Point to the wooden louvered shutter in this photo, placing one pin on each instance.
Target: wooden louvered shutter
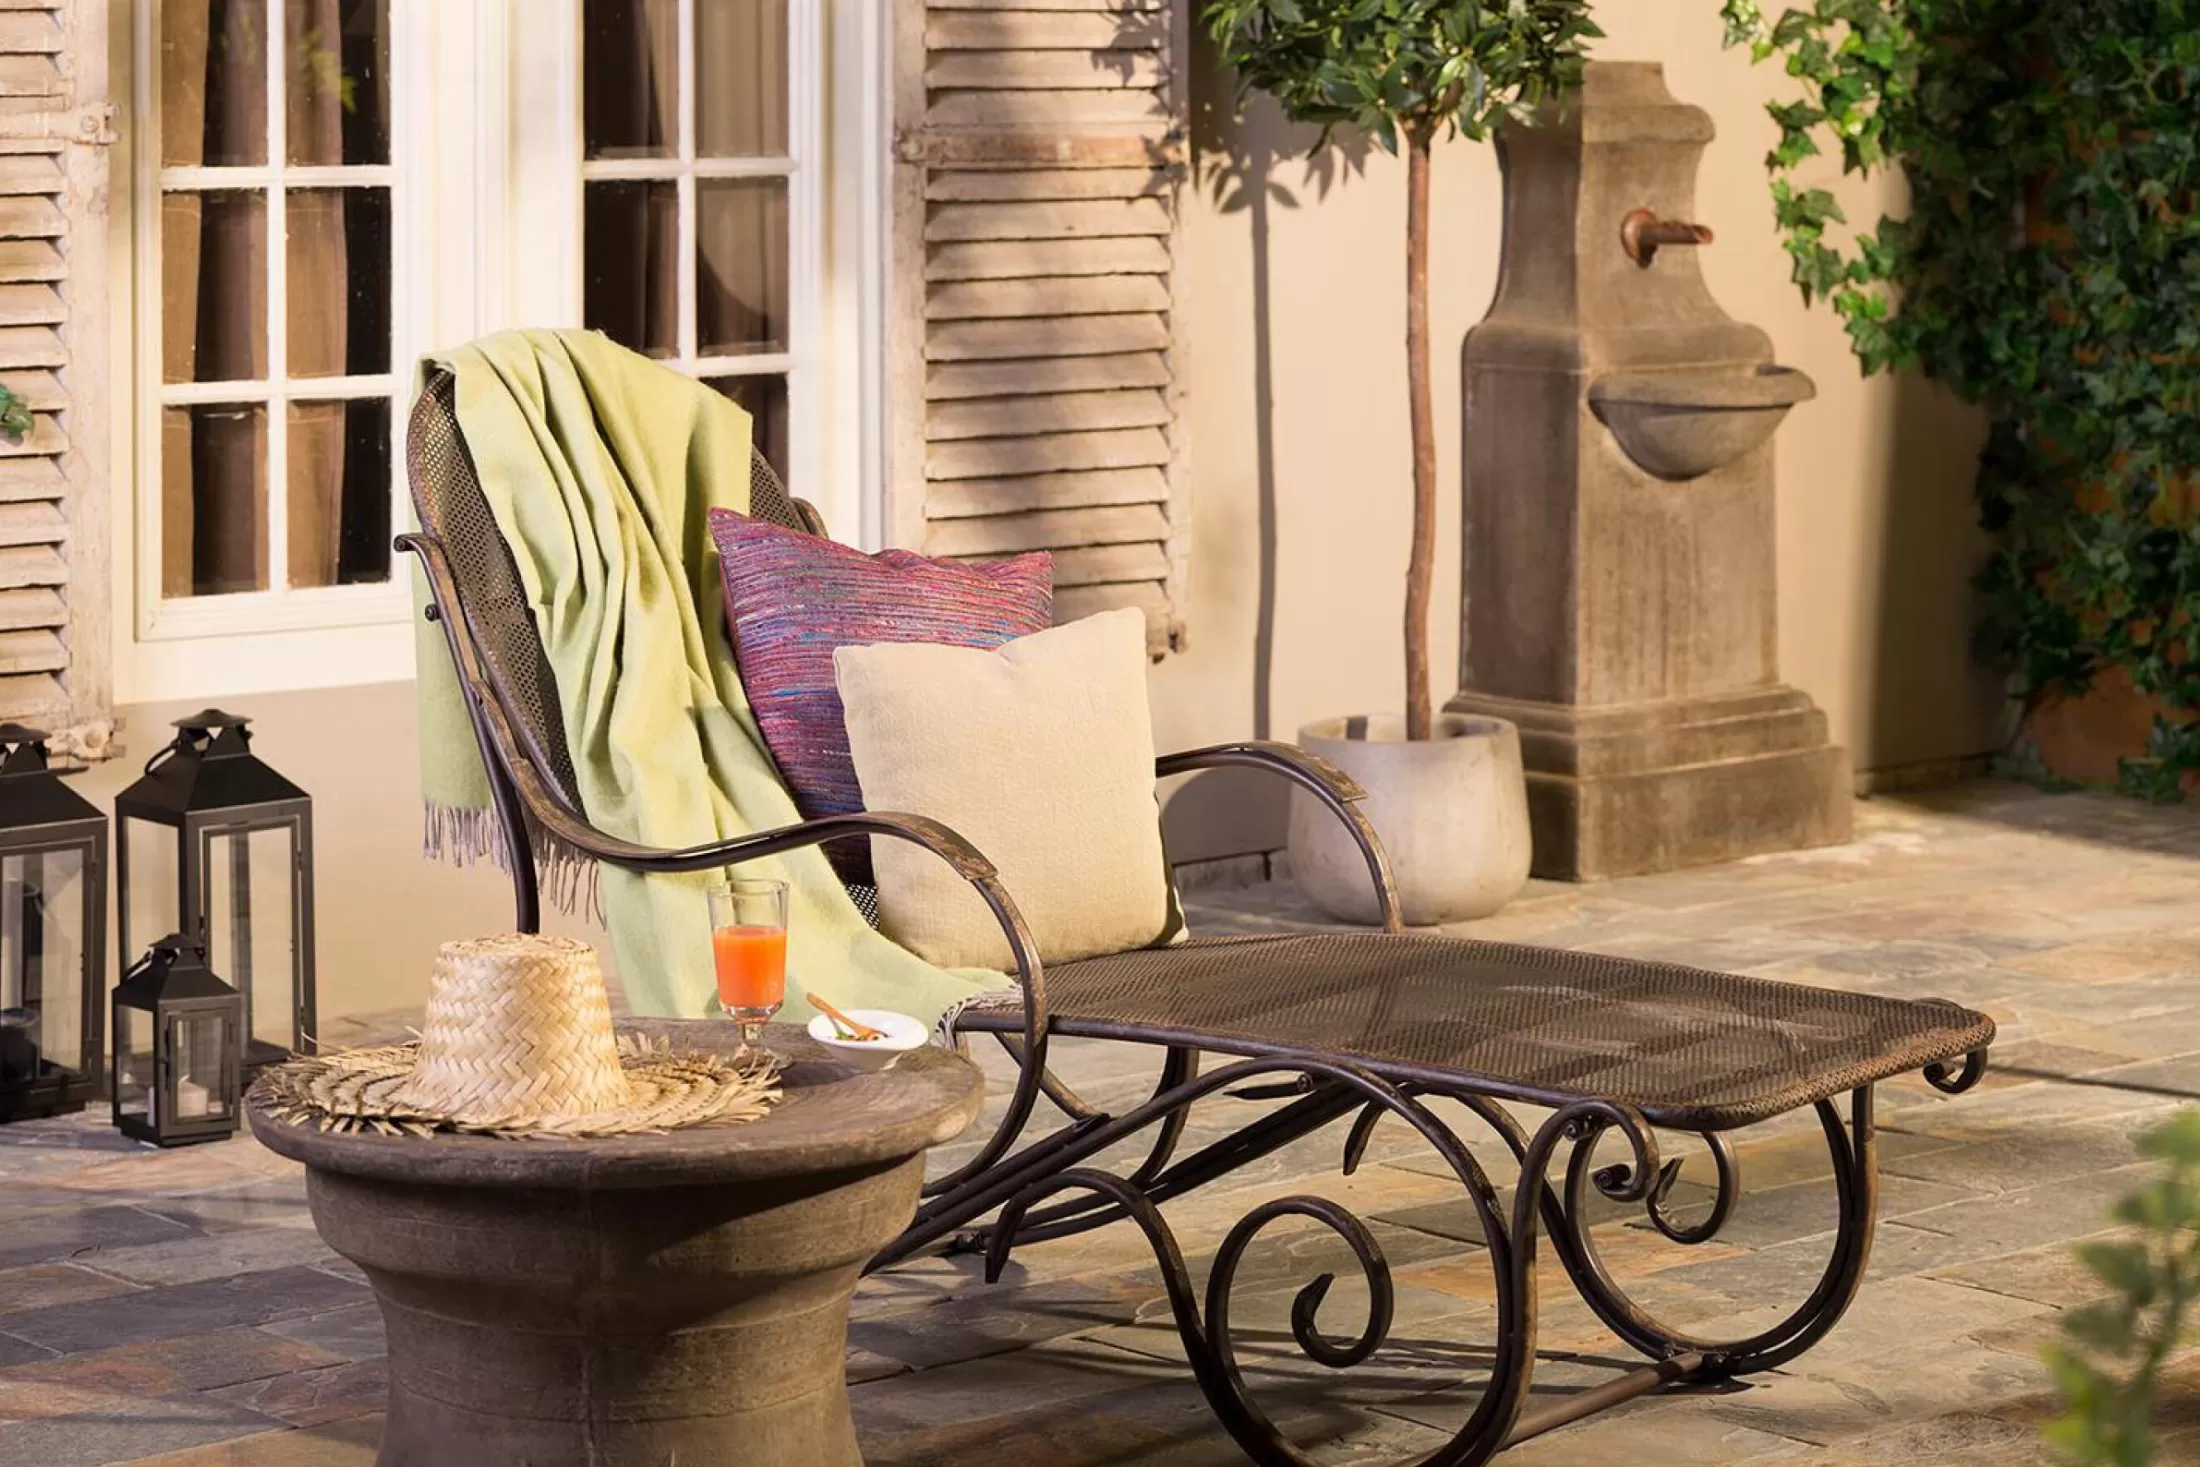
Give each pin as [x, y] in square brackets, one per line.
[54, 137]
[1037, 375]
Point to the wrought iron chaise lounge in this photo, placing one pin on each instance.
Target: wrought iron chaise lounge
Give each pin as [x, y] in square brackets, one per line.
[1341, 1028]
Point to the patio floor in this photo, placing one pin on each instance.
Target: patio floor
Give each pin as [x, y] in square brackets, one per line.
[177, 1308]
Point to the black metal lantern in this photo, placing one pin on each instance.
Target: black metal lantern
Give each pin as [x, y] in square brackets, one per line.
[215, 845]
[179, 1048]
[53, 931]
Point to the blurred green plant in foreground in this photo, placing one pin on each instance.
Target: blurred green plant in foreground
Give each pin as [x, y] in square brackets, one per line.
[2109, 1361]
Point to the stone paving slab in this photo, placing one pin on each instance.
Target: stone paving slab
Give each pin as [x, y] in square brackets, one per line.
[44, 1284]
[175, 1309]
[183, 1310]
[349, 1443]
[315, 1397]
[167, 1367]
[125, 1429]
[54, 1234]
[353, 1332]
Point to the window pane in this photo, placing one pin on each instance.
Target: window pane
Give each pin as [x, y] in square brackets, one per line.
[249, 940]
[151, 912]
[338, 60]
[766, 400]
[41, 962]
[213, 84]
[134, 1066]
[338, 281]
[740, 266]
[202, 1075]
[339, 506]
[213, 287]
[630, 77]
[741, 78]
[630, 244]
[213, 499]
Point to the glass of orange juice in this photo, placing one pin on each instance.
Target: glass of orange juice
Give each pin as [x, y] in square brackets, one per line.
[748, 939]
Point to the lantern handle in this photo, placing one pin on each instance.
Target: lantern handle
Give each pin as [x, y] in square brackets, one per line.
[166, 751]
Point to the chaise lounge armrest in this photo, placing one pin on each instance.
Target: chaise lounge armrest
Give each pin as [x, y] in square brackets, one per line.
[1338, 792]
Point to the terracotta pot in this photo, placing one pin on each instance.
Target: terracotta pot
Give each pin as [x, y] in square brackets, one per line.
[1452, 813]
[2082, 738]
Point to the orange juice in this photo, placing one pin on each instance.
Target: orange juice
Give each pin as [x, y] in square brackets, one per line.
[752, 966]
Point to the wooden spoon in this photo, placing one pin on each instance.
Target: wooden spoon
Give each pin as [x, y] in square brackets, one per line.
[857, 1029]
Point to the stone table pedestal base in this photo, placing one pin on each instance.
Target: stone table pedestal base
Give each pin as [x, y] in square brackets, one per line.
[639, 1301]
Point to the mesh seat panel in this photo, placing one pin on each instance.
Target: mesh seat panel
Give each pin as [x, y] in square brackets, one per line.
[1691, 1049]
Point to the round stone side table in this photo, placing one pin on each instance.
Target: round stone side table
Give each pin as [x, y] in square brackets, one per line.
[639, 1300]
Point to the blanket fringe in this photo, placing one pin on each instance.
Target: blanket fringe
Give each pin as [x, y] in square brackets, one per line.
[457, 836]
[944, 1034]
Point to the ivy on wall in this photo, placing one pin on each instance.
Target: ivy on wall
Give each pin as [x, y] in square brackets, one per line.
[2047, 268]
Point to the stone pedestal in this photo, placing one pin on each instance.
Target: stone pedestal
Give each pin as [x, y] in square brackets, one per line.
[1620, 597]
[640, 1300]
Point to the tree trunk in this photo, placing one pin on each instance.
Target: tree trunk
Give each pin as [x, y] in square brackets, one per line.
[1421, 565]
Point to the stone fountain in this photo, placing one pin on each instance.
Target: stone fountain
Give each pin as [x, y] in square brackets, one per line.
[1619, 586]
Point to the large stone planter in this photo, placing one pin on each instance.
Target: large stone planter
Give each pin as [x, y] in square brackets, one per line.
[640, 1300]
[1452, 813]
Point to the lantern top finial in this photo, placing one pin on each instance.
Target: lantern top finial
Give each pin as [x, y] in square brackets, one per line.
[25, 749]
[208, 766]
[172, 968]
[208, 720]
[32, 797]
[223, 735]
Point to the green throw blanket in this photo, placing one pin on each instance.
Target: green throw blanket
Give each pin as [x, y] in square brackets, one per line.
[599, 467]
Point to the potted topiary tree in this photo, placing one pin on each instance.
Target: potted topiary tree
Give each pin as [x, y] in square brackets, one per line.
[1409, 72]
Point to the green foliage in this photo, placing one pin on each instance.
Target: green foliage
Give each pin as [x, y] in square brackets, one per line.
[2111, 1354]
[1417, 66]
[15, 416]
[2048, 269]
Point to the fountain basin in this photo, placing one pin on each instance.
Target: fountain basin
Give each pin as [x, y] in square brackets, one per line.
[1682, 425]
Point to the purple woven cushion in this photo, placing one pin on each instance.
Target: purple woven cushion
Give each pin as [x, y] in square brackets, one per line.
[792, 598]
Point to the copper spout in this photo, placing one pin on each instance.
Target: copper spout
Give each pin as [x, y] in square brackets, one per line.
[1642, 232]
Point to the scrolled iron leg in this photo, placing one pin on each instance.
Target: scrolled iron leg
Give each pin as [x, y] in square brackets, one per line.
[1853, 1153]
[1331, 1090]
[1974, 1069]
[1205, 1325]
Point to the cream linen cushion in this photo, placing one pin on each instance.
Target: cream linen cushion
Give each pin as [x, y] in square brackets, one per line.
[1040, 752]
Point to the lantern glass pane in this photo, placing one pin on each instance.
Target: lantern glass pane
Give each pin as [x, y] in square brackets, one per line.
[149, 912]
[41, 961]
[133, 1063]
[250, 939]
[203, 1075]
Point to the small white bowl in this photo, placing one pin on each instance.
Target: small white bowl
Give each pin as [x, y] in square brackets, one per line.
[902, 1035]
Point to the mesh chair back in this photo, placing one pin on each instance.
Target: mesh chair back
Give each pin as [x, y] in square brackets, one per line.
[447, 495]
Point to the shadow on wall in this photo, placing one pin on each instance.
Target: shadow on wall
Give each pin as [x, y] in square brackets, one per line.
[1236, 159]
[1928, 613]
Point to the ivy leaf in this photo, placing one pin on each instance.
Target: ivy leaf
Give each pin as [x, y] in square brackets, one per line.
[2046, 267]
[15, 417]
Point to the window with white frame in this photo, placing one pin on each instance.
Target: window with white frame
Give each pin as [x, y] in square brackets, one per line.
[700, 202]
[267, 205]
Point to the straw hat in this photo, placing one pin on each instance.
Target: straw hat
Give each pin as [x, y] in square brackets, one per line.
[518, 1042]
